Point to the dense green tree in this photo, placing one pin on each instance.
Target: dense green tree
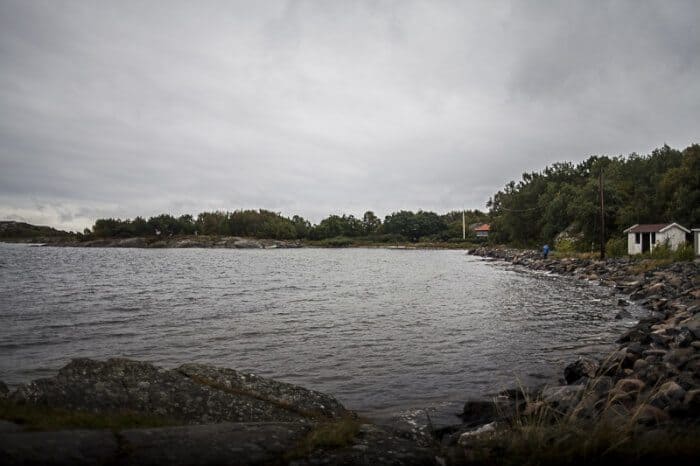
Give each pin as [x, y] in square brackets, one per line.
[660, 187]
[336, 225]
[302, 227]
[679, 189]
[212, 223]
[165, 224]
[413, 226]
[370, 223]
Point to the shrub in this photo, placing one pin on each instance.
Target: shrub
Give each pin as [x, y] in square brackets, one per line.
[386, 238]
[337, 242]
[684, 253]
[661, 251]
[565, 246]
[616, 247]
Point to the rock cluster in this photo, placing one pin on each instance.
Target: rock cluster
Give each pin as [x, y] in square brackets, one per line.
[655, 372]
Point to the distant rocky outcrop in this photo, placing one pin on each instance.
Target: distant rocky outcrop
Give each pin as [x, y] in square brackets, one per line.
[21, 232]
[181, 242]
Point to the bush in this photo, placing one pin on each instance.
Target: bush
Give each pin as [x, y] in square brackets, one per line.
[386, 238]
[565, 246]
[661, 251]
[337, 242]
[616, 247]
[684, 253]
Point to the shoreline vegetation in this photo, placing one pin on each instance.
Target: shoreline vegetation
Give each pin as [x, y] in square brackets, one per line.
[639, 404]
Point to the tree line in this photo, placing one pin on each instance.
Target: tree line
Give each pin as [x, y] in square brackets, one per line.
[399, 226]
[559, 205]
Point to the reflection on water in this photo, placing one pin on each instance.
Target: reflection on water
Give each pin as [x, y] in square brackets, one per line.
[379, 329]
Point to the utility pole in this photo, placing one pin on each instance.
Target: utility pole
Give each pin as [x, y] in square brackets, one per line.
[464, 227]
[602, 218]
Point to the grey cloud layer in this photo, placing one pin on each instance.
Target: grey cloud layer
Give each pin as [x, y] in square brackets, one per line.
[135, 108]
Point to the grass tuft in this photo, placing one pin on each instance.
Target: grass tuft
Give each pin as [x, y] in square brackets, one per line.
[617, 433]
[646, 265]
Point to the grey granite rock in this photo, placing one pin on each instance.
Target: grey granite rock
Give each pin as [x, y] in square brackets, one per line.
[192, 394]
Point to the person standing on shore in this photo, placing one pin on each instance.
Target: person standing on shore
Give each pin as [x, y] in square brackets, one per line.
[545, 251]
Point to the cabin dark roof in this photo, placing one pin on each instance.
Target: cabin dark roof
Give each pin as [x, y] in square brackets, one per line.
[652, 228]
[484, 227]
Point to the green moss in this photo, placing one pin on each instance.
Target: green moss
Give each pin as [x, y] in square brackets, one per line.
[38, 418]
[327, 436]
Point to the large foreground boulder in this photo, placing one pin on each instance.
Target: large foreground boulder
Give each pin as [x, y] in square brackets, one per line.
[227, 417]
[191, 394]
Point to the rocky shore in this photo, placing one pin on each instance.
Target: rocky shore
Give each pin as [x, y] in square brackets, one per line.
[645, 393]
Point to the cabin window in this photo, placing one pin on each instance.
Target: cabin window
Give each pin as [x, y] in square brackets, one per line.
[636, 238]
[653, 238]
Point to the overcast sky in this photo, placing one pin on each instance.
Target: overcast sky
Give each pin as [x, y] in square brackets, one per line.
[127, 108]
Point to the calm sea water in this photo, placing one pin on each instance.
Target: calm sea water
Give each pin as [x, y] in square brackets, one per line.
[379, 329]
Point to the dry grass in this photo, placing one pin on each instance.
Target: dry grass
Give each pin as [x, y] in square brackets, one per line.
[646, 265]
[575, 255]
[620, 433]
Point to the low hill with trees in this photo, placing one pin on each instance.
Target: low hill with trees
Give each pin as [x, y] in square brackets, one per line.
[20, 231]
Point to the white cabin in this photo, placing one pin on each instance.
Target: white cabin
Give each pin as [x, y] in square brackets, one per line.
[644, 238]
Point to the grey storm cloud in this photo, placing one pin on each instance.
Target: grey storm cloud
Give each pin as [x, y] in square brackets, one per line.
[316, 107]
